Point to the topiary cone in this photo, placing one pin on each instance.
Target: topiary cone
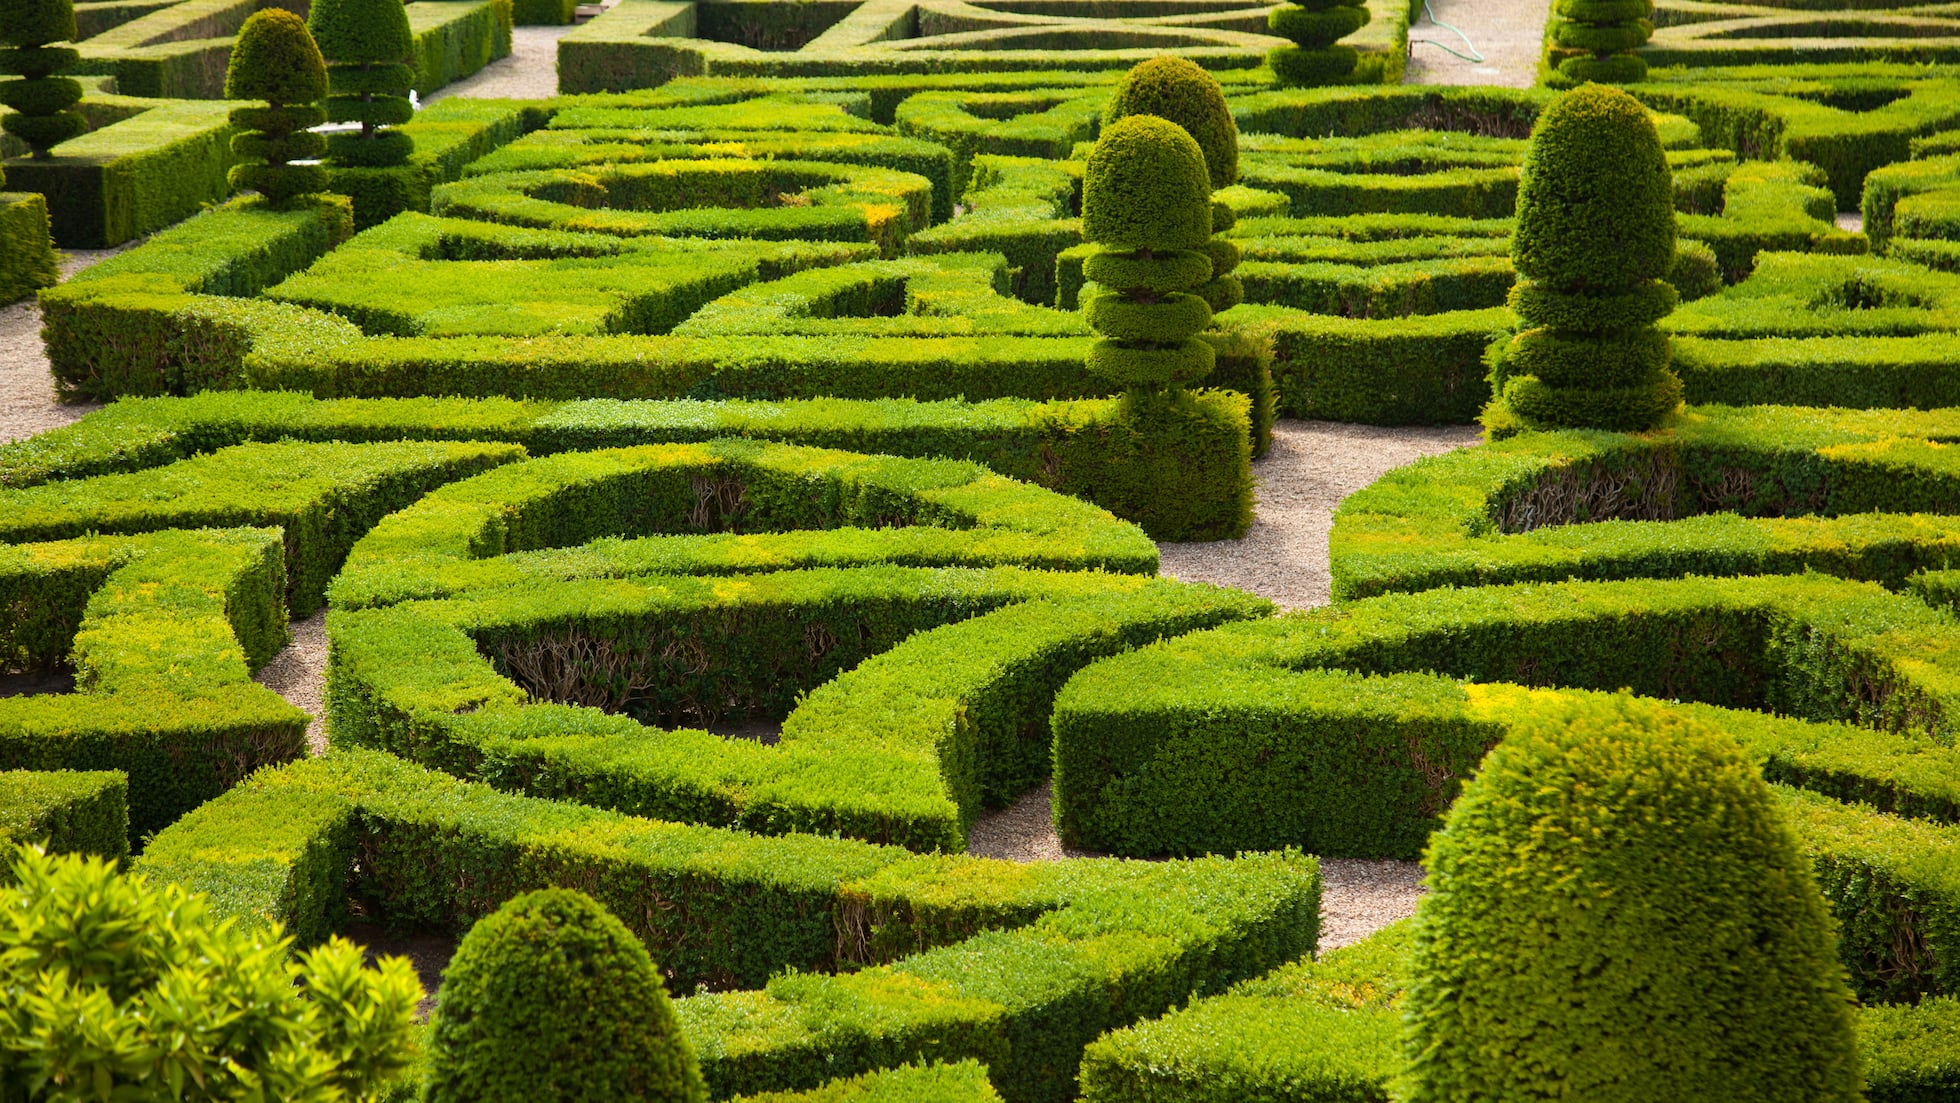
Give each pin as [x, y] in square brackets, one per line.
[43, 104]
[1618, 913]
[550, 999]
[1594, 240]
[1596, 40]
[367, 44]
[276, 60]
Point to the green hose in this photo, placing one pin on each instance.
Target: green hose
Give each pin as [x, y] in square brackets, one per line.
[1473, 56]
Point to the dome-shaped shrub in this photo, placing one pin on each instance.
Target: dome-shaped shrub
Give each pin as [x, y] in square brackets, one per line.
[1618, 913]
[1177, 89]
[550, 999]
[275, 60]
[1593, 244]
[43, 104]
[1146, 187]
[1313, 27]
[367, 44]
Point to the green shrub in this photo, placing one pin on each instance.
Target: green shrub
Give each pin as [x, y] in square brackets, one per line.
[43, 104]
[275, 60]
[1565, 947]
[965, 1082]
[1313, 27]
[113, 986]
[1173, 88]
[27, 260]
[551, 998]
[1594, 237]
[368, 46]
[66, 811]
[1597, 40]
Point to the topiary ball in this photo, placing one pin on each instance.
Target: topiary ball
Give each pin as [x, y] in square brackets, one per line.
[355, 31]
[1595, 209]
[1618, 912]
[275, 59]
[550, 999]
[1177, 89]
[36, 22]
[1146, 187]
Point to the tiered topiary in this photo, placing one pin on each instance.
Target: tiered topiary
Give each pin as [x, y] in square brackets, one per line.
[1595, 40]
[1618, 913]
[44, 104]
[550, 999]
[1176, 89]
[1593, 245]
[1315, 27]
[1146, 199]
[276, 60]
[367, 45]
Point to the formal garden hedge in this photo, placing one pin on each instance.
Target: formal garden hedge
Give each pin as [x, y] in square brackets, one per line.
[713, 509]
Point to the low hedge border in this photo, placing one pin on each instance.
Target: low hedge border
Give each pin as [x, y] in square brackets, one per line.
[1019, 966]
[66, 811]
[163, 631]
[1425, 369]
[964, 1082]
[27, 260]
[448, 135]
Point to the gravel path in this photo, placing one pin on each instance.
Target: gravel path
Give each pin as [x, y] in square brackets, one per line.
[1510, 34]
[529, 73]
[27, 404]
[299, 674]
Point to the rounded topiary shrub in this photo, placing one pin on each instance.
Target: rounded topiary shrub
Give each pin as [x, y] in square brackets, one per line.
[367, 45]
[1593, 246]
[1618, 913]
[276, 60]
[1312, 29]
[550, 999]
[1595, 40]
[1146, 199]
[43, 104]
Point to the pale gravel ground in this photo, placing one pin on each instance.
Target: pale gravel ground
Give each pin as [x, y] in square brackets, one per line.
[529, 73]
[1510, 34]
[299, 674]
[27, 404]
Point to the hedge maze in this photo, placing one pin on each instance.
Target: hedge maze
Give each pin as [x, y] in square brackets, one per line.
[728, 481]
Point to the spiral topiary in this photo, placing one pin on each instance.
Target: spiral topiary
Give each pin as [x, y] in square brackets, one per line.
[367, 45]
[1618, 913]
[276, 60]
[1146, 200]
[1595, 40]
[1176, 89]
[44, 104]
[1594, 243]
[550, 999]
[1314, 28]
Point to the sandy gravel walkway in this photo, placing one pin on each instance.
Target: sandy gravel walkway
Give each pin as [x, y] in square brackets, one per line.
[27, 404]
[529, 73]
[1510, 34]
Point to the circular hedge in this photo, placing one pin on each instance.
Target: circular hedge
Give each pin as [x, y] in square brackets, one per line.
[550, 998]
[1177, 89]
[1619, 912]
[1595, 205]
[1146, 187]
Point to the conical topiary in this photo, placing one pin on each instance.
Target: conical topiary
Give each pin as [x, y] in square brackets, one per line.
[1595, 40]
[276, 60]
[550, 999]
[44, 104]
[1593, 244]
[1176, 89]
[367, 44]
[1146, 199]
[1618, 913]
[1314, 27]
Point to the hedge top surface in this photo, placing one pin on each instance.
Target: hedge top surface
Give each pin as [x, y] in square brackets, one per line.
[276, 60]
[1595, 205]
[1523, 987]
[362, 31]
[1146, 187]
[1176, 89]
[36, 22]
[551, 998]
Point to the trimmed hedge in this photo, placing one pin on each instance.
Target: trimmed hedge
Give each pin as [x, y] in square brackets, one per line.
[27, 260]
[163, 631]
[66, 811]
[965, 1082]
[1019, 966]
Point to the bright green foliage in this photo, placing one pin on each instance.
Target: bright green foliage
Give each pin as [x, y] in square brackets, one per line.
[66, 811]
[1595, 40]
[112, 987]
[550, 998]
[1618, 911]
[1314, 27]
[43, 104]
[367, 45]
[276, 60]
[1146, 199]
[1594, 240]
[1176, 89]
